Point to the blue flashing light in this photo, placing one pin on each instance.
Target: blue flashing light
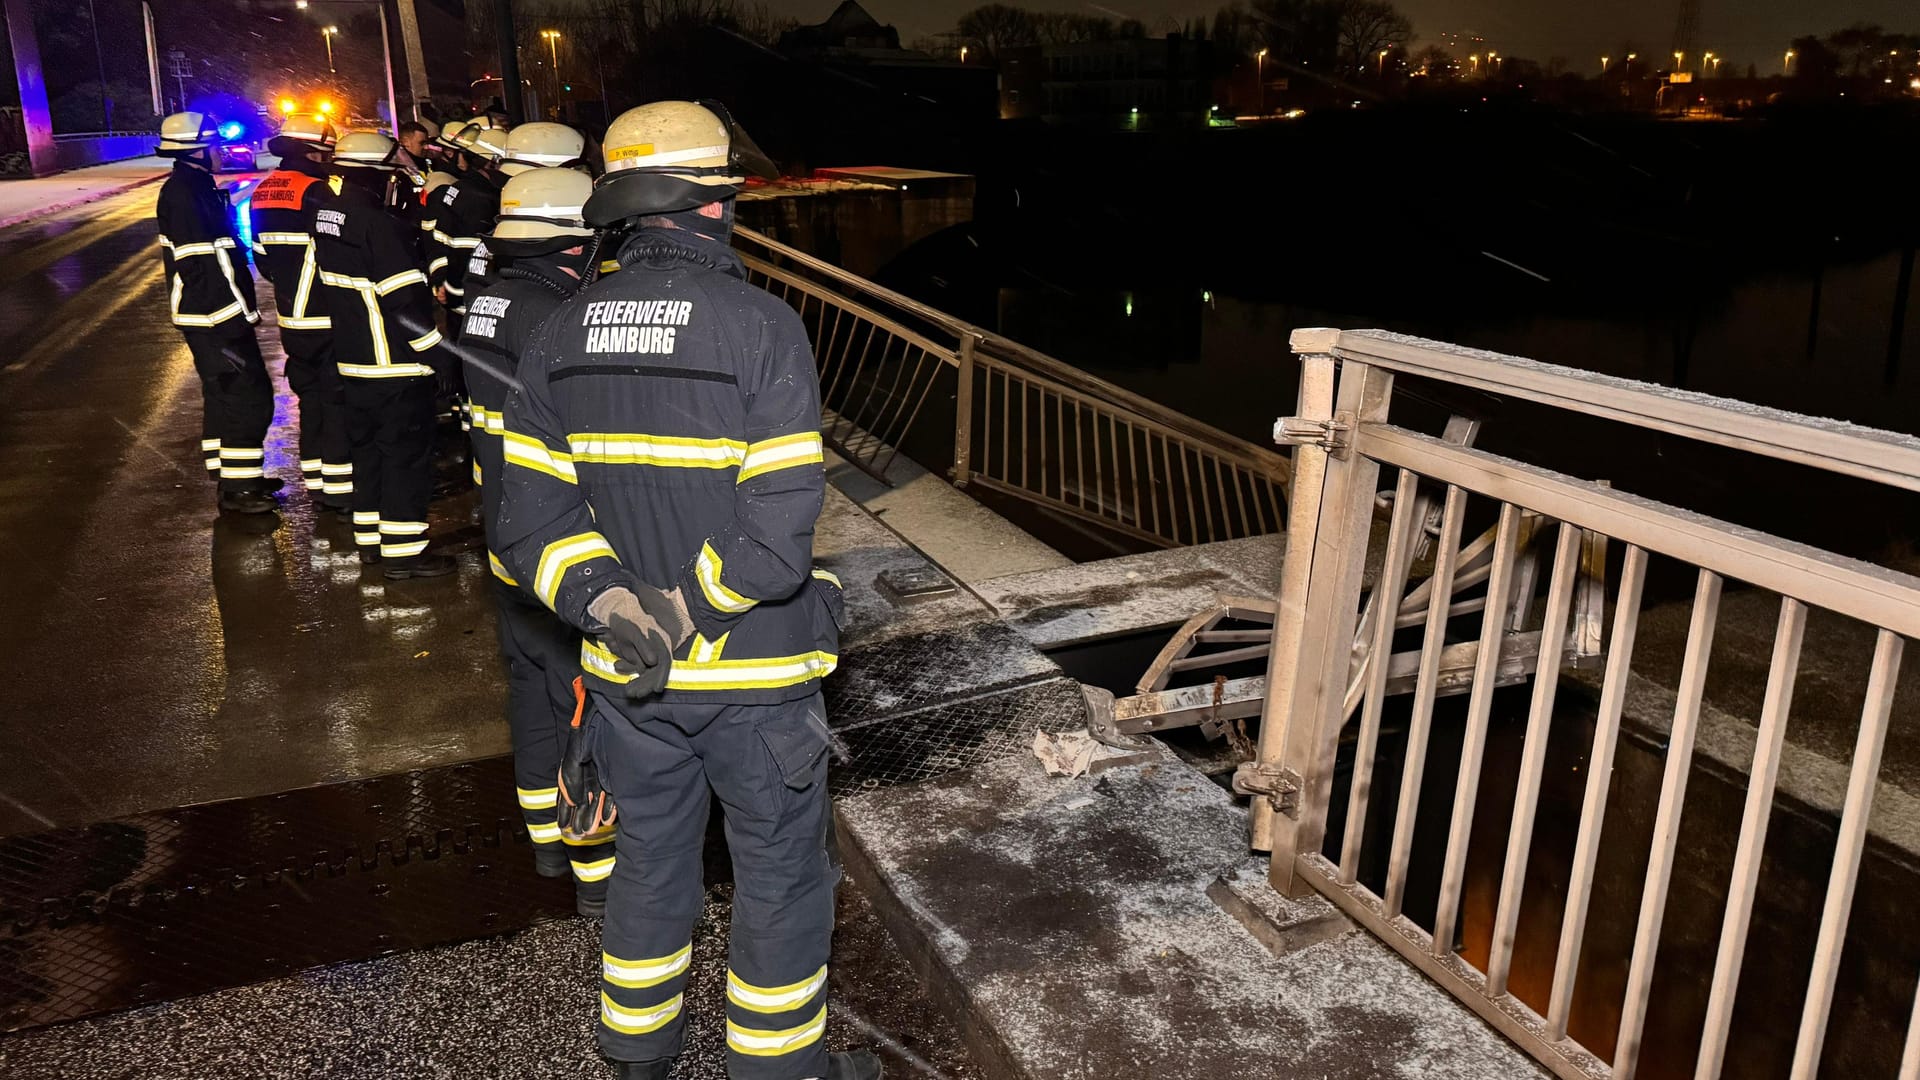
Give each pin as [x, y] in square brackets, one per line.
[232, 129]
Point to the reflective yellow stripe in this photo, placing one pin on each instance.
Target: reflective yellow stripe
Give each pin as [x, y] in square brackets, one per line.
[598, 870]
[762, 1043]
[598, 662]
[437, 265]
[425, 341]
[662, 450]
[383, 371]
[829, 577]
[593, 839]
[538, 798]
[531, 453]
[640, 974]
[402, 551]
[544, 834]
[399, 281]
[637, 1021]
[500, 569]
[771, 673]
[564, 554]
[785, 452]
[707, 569]
[213, 319]
[774, 999]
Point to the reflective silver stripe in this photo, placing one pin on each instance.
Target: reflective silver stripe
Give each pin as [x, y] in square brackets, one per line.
[281, 238]
[400, 281]
[402, 551]
[383, 371]
[617, 163]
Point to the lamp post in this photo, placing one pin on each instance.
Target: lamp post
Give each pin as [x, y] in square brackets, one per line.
[963, 54]
[1260, 78]
[1706, 61]
[1631, 57]
[1382, 70]
[1603, 65]
[1786, 66]
[326, 35]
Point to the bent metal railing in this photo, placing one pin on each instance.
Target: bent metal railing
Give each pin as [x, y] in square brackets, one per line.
[897, 373]
[1343, 441]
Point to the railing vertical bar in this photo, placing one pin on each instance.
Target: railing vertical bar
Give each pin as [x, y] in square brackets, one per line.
[1787, 638]
[1113, 454]
[1593, 810]
[1666, 824]
[1240, 478]
[1186, 488]
[963, 413]
[884, 428]
[1133, 475]
[1275, 522]
[1387, 592]
[986, 414]
[1079, 458]
[1848, 847]
[926, 390]
[870, 422]
[1425, 689]
[1474, 747]
[1533, 758]
[830, 397]
[1060, 437]
[1027, 396]
[1099, 467]
[1006, 406]
[1153, 483]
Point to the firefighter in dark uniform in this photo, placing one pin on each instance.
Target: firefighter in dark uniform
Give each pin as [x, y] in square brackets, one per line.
[664, 470]
[282, 210]
[464, 211]
[211, 300]
[388, 353]
[543, 237]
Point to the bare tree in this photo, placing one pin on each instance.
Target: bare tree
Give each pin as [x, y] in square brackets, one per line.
[995, 28]
[1367, 28]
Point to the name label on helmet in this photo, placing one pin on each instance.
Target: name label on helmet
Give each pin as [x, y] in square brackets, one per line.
[329, 221]
[635, 326]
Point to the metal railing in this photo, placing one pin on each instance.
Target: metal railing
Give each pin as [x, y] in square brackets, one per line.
[1345, 439]
[897, 373]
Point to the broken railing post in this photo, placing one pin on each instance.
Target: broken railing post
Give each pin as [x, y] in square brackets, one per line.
[1328, 527]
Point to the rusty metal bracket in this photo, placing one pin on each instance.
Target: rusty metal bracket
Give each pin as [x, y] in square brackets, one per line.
[1278, 784]
[1335, 436]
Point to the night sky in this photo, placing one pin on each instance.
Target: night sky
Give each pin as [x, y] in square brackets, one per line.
[1744, 31]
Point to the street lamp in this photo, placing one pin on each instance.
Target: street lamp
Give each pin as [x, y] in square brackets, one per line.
[326, 35]
[1716, 66]
[963, 54]
[1260, 79]
[1679, 60]
[1475, 59]
[1603, 64]
[1706, 61]
[1786, 66]
[1382, 72]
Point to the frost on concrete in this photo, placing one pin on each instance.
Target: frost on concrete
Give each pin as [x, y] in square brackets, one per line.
[1134, 592]
[1075, 919]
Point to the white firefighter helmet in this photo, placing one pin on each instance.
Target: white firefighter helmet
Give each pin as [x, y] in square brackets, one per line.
[488, 142]
[369, 149]
[187, 131]
[541, 144]
[449, 137]
[670, 156]
[542, 209]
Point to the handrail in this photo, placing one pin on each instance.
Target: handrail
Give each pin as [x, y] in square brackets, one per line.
[1869, 453]
[1038, 362]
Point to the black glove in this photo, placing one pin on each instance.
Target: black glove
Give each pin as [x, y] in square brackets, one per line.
[644, 626]
[586, 810]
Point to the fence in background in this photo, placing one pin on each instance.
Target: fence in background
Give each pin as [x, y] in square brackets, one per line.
[1022, 424]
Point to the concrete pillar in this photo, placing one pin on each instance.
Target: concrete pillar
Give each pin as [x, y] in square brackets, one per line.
[35, 115]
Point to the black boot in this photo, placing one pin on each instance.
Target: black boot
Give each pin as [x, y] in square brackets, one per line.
[419, 566]
[247, 502]
[854, 1065]
[642, 1070]
[369, 555]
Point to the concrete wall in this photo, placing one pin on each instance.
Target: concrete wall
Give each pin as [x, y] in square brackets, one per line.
[75, 153]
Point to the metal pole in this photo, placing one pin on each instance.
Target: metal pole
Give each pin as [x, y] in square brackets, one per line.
[386, 56]
[417, 81]
[153, 59]
[509, 62]
[99, 58]
[963, 416]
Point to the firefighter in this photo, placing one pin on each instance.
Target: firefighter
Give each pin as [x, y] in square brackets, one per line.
[529, 146]
[388, 355]
[438, 255]
[212, 302]
[543, 238]
[465, 210]
[664, 471]
[282, 210]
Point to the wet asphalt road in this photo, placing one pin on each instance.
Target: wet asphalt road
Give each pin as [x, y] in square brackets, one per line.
[159, 653]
